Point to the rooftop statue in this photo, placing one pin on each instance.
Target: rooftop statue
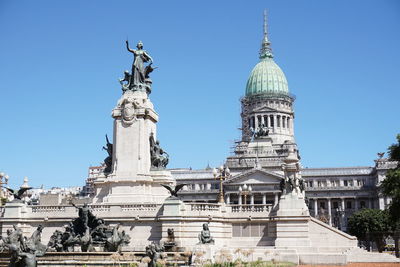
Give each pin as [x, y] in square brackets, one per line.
[138, 79]
[205, 236]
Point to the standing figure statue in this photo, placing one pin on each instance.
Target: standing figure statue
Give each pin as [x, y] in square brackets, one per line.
[108, 160]
[139, 71]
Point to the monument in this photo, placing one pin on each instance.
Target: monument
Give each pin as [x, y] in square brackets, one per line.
[135, 166]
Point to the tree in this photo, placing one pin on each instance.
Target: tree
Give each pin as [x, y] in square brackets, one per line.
[391, 187]
[370, 225]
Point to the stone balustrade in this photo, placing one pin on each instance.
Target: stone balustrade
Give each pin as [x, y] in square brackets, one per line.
[256, 208]
[107, 210]
[204, 206]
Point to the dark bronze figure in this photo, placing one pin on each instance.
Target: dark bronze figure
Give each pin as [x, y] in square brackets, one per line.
[24, 251]
[108, 160]
[138, 79]
[205, 236]
[174, 192]
[158, 157]
[153, 251]
[18, 194]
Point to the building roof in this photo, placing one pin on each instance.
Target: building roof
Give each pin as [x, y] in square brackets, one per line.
[336, 171]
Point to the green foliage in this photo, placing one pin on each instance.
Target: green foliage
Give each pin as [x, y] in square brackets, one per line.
[391, 185]
[394, 150]
[370, 224]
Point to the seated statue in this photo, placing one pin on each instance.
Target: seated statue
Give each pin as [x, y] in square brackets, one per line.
[205, 236]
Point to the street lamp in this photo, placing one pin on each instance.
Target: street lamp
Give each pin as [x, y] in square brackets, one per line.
[338, 214]
[221, 174]
[5, 177]
[245, 191]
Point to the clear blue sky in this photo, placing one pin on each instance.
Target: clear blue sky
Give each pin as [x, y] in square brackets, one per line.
[60, 61]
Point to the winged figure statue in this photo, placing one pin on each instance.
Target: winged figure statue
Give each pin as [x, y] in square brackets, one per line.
[174, 192]
[18, 194]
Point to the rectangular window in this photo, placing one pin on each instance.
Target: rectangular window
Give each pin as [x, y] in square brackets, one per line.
[311, 184]
[345, 183]
[254, 230]
[236, 230]
[335, 205]
[348, 204]
[322, 205]
[249, 229]
[245, 230]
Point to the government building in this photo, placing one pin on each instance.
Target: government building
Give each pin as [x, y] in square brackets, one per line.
[332, 194]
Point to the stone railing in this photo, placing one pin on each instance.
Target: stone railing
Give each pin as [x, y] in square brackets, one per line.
[47, 209]
[204, 206]
[102, 210]
[140, 207]
[251, 208]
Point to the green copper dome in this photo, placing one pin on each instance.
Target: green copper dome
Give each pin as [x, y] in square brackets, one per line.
[267, 79]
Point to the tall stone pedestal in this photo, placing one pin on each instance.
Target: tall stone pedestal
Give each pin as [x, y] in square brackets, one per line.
[132, 179]
[291, 221]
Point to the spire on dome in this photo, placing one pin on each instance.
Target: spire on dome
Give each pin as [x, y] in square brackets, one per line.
[265, 50]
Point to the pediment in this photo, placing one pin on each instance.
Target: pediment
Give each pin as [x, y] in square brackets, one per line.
[255, 176]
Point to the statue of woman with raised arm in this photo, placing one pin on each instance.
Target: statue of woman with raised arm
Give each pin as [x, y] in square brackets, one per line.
[137, 79]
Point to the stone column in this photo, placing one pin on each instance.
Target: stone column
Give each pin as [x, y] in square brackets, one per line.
[239, 199]
[252, 199]
[343, 207]
[330, 211]
[274, 123]
[268, 121]
[264, 198]
[355, 204]
[262, 120]
[255, 122]
[315, 207]
[276, 199]
[228, 198]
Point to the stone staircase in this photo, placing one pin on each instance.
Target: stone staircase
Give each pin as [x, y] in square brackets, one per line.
[361, 255]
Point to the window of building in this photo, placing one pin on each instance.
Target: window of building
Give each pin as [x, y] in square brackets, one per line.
[278, 121]
[348, 205]
[335, 204]
[214, 186]
[310, 183]
[346, 183]
[362, 204]
[271, 120]
[283, 121]
[319, 184]
[322, 205]
[249, 229]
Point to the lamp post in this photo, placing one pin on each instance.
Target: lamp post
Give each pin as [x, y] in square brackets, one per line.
[221, 174]
[338, 214]
[245, 191]
[5, 181]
